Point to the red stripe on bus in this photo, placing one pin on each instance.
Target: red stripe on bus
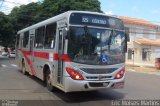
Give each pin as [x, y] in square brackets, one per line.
[64, 57]
[41, 55]
[45, 55]
[26, 53]
[36, 54]
[30, 65]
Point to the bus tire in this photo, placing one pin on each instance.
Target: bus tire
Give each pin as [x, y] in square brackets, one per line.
[23, 68]
[49, 82]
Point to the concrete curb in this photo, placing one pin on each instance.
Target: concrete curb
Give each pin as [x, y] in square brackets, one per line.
[152, 73]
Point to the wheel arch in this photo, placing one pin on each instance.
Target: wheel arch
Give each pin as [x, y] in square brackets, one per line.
[47, 69]
[22, 61]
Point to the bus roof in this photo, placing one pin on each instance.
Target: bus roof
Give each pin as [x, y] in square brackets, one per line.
[60, 17]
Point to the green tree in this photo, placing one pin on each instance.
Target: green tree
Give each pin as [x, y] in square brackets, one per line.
[6, 31]
[53, 7]
[27, 15]
[22, 17]
[32, 13]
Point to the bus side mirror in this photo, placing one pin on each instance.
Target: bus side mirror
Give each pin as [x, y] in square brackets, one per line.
[65, 32]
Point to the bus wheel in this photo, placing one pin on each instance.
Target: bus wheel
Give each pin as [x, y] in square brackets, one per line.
[49, 83]
[23, 68]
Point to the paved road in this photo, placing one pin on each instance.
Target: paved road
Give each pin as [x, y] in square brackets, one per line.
[15, 86]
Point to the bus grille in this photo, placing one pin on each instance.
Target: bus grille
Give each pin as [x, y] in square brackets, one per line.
[99, 84]
[97, 78]
[98, 71]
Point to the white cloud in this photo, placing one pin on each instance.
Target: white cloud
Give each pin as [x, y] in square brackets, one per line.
[9, 4]
[109, 12]
[109, 8]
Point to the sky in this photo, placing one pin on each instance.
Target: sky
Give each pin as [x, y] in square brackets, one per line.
[143, 9]
[148, 10]
[7, 5]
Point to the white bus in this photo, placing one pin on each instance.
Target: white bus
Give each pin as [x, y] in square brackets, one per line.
[74, 51]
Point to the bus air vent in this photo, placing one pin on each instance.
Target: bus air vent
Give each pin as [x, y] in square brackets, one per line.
[98, 71]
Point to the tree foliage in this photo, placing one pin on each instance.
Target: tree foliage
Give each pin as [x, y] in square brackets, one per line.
[54, 7]
[6, 31]
[26, 15]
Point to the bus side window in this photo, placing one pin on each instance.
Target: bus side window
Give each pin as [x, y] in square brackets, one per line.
[25, 39]
[39, 37]
[50, 36]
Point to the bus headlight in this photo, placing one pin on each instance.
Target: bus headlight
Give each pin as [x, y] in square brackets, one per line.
[74, 74]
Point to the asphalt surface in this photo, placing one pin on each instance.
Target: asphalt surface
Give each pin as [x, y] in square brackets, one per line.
[27, 90]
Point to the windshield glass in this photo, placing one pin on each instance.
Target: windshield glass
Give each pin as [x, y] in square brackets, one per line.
[96, 46]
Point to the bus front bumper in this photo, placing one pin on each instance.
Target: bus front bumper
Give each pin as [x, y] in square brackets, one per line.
[85, 85]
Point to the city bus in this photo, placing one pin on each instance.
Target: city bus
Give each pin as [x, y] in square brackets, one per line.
[74, 51]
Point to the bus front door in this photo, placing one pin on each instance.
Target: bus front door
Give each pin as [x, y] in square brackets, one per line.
[31, 46]
[60, 64]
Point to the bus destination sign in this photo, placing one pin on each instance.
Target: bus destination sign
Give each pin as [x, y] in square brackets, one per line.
[89, 19]
[94, 20]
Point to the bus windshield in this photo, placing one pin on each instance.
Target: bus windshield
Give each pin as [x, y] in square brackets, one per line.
[96, 46]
